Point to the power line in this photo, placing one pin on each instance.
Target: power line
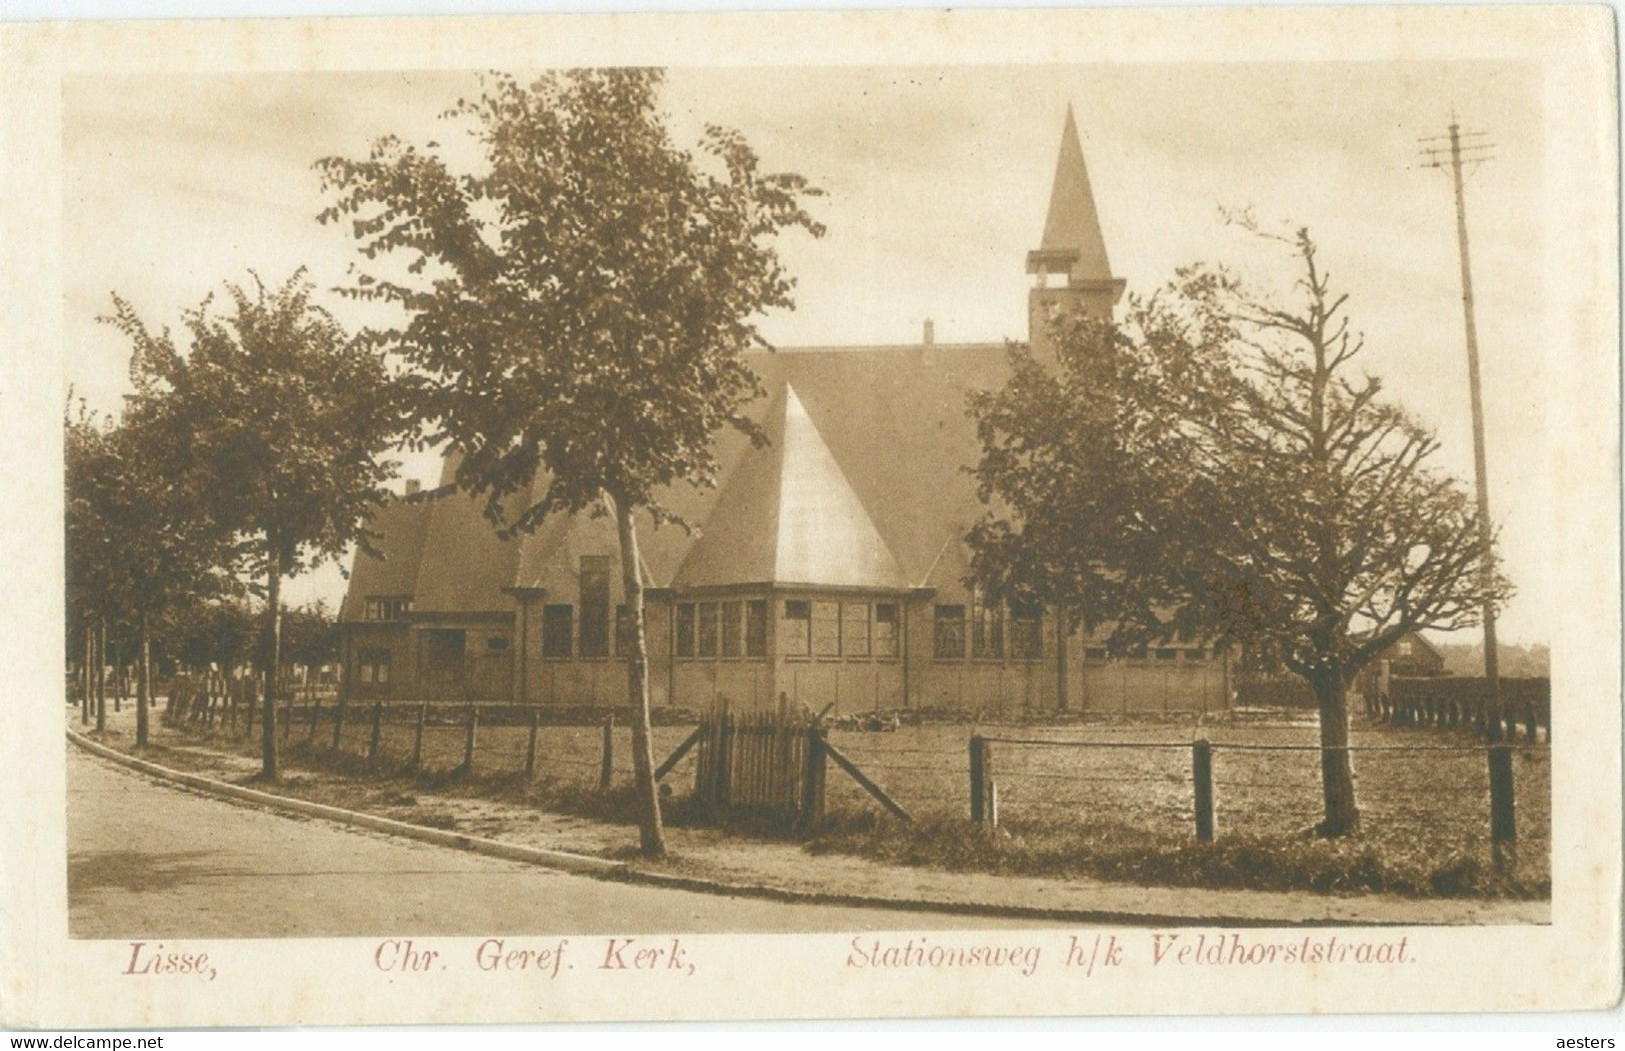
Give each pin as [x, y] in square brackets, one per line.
[1456, 155]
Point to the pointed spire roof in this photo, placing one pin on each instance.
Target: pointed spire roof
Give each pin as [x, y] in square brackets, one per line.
[789, 515]
[1072, 225]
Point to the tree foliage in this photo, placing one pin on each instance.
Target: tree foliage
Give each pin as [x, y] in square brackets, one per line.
[576, 311]
[140, 539]
[579, 307]
[279, 421]
[278, 418]
[1217, 465]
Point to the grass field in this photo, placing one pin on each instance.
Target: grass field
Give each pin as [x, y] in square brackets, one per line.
[1122, 812]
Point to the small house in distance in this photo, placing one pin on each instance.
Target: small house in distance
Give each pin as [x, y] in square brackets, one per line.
[1412, 656]
[827, 566]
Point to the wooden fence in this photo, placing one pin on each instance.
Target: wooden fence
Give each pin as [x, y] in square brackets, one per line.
[768, 765]
[1463, 703]
[775, 766]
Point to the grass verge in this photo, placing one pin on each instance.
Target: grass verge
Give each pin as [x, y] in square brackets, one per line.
[1238, 861]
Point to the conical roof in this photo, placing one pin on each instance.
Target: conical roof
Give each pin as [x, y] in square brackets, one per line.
[1072, 224]
[789, 515]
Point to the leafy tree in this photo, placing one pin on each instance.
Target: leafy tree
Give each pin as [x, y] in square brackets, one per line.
[140, 541]
[213, 633]
[311, 634]
[582, 305]
[280, 421]
[1232, 476]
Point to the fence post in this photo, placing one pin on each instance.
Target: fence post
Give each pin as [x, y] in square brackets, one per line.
[1202, 775]
[417, 737]
[530, 749]
[725, 745]
[978, 779]
[468, 741]
[606, 766]
[377, 729]
[812, 785]
[338, 724]
[315, 714]
[1503, 809]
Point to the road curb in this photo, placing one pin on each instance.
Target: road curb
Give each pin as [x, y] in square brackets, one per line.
[554, 859]
[621, 872]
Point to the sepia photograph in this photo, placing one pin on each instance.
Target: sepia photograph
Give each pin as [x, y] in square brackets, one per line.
[999, 520]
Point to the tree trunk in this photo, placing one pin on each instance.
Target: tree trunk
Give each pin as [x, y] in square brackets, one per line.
[143, 686]
[82, 685]
[273, 657]
[101, 663]
[1336, 768]
[82, 677]
[651, 835]
[1060, 658]
[90, 677]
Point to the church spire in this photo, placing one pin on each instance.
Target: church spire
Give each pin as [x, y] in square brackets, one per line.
[1070, 267]
[1072, 227]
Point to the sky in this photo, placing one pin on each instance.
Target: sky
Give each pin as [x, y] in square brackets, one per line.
[935, 184]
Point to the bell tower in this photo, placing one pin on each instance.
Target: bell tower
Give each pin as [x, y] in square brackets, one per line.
[1070, 269]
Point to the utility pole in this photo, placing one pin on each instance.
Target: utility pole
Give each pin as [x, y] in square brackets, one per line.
[1473, 152]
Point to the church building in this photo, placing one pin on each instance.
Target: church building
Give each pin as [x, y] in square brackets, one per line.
[827, 566]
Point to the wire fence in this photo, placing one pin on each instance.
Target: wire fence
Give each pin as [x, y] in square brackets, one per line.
[1258, 780]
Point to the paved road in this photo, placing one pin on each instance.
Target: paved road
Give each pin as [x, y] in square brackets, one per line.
[148, 860]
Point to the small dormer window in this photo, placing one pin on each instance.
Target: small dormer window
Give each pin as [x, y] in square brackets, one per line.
[387, 607]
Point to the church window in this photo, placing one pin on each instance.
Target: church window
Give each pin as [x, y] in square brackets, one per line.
[708, 629]
[756, 628]
[556, 631]
[1026, 634]
[826, 629]
[730, 629]
[950, 633]
[595, 606]
[885, 637]
[795, 633]
[387, 607]
[374, 667]
[685, 629]
[987, 631]
[855, 628]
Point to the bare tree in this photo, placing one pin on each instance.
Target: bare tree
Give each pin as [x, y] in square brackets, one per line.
[1236, 478]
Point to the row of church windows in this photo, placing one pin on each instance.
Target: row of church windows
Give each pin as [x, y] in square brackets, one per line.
[733, 628]
[986, 630]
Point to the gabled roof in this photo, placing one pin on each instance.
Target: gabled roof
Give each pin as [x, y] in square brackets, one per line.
[1072, 224]
[465, 565]
[400, 528]
[864, 480]
[862, 484]
[788, 515]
